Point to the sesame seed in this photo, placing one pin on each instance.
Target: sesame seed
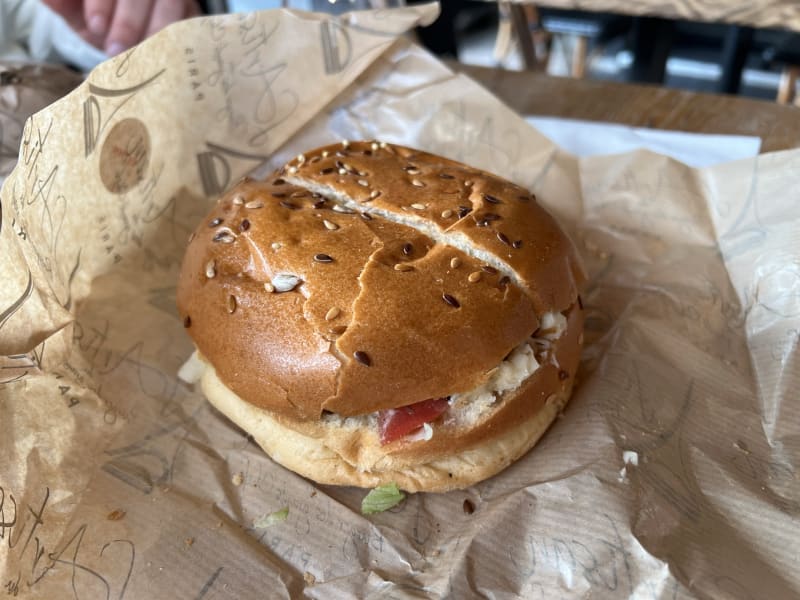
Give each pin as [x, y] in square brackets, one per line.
[374, 146]
[279, 181]
[238, 199]
[342, 171]
[187, 322]
[468, 183]
[226, 237]
[413, 170]
[474, 277]
[504, 280]
[366, 216]
[418, 206]
[489, 269]
[345, 143]
[211, 269]
[269, 287]
[363, 358]
[516, 244]
[231, 304]
[491, 199]
[301, 158]
[289, 205]
[503, 238]
[417, 183]
[374, 194]
[319, 203]
[450, 300]
[342, 209]
[445, 176]
[325, 154]
[491, 217]
[332, 313]
[383, 145]
[327, 171]
[292, 170]
[191, 237]
[244, 225]
[276, 245]
[463, 211]
[524, 198]
[455, 262]
[338, 329]
[348, 168]
[323, 258]
[329, 225]
[278, 194]
[403, 267]
[298, 194]
[253, 204]
[215, 222]
[446, 214]
[363, 182]
[562, 375]
[408, 249]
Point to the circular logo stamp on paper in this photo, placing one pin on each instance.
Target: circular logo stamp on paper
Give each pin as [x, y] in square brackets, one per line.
[125, 156]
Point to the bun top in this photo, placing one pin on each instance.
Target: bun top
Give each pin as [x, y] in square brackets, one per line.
[367, 276]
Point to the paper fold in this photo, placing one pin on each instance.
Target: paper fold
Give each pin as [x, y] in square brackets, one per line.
[672, 474]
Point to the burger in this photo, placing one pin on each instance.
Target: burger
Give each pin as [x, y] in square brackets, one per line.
[375, 314]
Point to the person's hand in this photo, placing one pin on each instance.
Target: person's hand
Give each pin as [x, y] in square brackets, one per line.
[116, 25]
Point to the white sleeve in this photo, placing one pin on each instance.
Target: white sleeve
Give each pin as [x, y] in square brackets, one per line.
[16, 22]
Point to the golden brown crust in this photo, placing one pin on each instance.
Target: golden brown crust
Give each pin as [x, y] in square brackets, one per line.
[391, 293]
[495, 215]
[455, 457]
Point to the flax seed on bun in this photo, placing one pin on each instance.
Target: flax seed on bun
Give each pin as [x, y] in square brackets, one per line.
[366, 277]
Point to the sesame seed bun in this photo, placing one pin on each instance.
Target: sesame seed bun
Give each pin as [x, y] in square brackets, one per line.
[365, 277]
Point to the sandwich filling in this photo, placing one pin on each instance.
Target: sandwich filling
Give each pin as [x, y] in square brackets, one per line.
[416, 422]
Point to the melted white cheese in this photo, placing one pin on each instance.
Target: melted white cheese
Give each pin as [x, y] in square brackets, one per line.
[508, 375]
[552, 325]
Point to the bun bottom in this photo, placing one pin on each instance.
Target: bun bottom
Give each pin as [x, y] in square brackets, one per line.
[332, 454]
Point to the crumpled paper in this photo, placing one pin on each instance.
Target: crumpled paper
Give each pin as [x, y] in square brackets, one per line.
[24, 90]
[671, 475]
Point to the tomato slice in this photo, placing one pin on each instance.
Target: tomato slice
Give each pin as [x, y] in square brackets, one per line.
[395, 423]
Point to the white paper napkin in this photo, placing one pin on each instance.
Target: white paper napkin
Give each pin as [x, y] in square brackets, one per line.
[585, 138]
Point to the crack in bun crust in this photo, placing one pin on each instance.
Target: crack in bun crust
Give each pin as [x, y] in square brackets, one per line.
[366, 276]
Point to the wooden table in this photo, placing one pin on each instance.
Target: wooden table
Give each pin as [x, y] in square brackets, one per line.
[531, 93]
[652, 35]
[780, 14]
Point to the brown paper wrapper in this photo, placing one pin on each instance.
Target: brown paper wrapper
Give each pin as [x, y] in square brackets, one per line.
[672, 474]
[24, 90]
